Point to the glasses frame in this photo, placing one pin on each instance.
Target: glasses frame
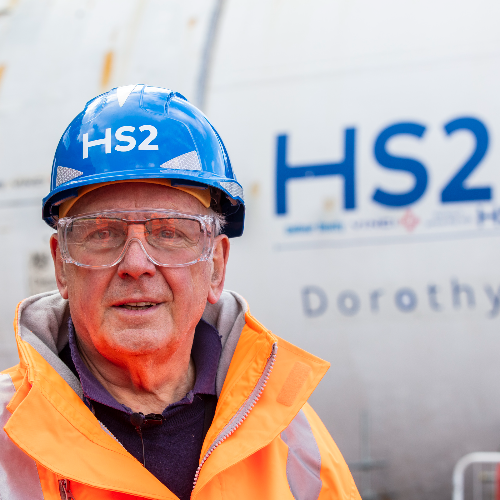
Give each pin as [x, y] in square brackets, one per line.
[208, 223]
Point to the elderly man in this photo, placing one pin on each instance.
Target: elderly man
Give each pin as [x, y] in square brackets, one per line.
[141, 377]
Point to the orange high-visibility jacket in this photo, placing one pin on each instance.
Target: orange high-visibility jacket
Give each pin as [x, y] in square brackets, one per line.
[265, 441]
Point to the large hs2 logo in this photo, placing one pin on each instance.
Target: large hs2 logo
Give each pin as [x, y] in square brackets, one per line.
[121, 137]
[456, 190]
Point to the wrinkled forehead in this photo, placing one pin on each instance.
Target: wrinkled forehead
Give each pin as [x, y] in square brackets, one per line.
[137, 195]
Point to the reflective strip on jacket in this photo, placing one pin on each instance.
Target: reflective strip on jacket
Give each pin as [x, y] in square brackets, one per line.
[265, 441]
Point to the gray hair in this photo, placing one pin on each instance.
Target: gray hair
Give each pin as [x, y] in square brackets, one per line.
[220, 220]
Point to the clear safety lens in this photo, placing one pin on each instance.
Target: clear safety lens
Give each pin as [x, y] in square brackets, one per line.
[102, 240]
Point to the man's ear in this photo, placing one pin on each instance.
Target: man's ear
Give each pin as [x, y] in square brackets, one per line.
[219, 263]
[59, 266]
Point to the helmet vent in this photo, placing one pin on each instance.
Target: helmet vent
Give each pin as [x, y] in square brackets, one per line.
[66, 174]
[187, 161]
[123, 92]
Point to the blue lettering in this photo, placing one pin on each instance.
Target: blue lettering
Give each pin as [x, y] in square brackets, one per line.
[406, 299]
[396, 163]
[345, 169]
[483, 216]
[348, 303]
[314, 301]
[455, 190]
[299, 229]
[330, 226]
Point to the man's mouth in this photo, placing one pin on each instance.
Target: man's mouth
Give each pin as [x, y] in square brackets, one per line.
[138, 306]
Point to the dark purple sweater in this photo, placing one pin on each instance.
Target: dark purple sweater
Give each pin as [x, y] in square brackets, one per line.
[172, 447]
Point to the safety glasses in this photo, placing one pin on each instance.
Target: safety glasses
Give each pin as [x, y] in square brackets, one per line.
[168, 238]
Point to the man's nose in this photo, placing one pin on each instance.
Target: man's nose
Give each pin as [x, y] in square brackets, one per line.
[135, 262]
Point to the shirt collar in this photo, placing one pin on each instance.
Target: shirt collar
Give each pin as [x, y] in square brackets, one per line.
[205, 352]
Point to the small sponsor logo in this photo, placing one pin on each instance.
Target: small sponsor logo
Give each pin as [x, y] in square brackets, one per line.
[323, 227]
[409, 220]
[449, 218]
[380, 223]
[488, 216]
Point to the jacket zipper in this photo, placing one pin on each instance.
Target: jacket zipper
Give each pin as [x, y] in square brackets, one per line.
[243, 412]
[64, 490]
[235, 422]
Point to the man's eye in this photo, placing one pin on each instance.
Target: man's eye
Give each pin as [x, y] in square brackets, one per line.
[103, 234]
[167, 233]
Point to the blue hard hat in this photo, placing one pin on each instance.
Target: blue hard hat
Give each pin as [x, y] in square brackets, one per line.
[142, 132]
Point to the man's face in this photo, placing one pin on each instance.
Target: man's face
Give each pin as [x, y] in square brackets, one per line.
[98, 297]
